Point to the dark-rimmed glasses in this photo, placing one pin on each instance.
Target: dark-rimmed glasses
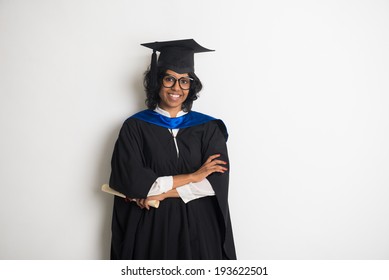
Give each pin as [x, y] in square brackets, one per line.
[169, 81]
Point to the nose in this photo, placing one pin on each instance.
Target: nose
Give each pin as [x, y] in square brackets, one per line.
[176, 86]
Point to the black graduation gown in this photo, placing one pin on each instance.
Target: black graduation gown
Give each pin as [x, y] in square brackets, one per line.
[199, 229]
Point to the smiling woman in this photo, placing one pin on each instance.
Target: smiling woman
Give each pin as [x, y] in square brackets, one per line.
[166, 80]
[178, 157]
[173, 94]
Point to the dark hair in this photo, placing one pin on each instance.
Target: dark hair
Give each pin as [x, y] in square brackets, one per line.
[152, 91]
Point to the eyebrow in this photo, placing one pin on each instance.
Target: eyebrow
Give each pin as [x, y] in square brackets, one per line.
[171, 75]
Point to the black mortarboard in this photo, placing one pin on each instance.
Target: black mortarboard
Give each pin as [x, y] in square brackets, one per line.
[175, 55]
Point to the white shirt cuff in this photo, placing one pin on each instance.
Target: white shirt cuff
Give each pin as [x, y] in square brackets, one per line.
[161, 185]
[185, 193]
[193, 191]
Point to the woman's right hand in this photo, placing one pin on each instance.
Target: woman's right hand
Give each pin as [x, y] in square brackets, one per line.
[210, 166]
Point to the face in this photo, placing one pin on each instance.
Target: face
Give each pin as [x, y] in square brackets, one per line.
[172, 98]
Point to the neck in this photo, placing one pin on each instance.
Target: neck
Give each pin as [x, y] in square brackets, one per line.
[172, 111]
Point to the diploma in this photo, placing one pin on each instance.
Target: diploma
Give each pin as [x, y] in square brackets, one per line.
[106, 188]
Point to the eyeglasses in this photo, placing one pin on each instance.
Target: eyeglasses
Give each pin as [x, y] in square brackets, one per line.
[170, 81]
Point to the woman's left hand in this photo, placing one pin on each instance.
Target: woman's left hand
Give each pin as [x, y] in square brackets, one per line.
[144, 202]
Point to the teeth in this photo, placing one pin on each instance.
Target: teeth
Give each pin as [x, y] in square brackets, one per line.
[174, 95]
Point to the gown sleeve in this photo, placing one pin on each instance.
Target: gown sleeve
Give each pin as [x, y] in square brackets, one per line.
[129, 173]
[215, 142]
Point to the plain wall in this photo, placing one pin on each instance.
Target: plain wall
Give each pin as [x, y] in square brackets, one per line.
[301, 85]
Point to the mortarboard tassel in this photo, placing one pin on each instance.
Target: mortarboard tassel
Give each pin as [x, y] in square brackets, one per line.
[153, 69]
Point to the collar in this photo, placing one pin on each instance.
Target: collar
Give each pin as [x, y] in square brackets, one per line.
[167, 114]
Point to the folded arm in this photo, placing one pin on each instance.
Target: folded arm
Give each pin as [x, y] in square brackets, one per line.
[187, 186]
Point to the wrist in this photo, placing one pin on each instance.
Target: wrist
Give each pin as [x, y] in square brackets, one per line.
[183, 179]
[191, 178]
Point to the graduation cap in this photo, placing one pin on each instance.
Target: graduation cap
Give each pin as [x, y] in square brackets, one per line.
[177, 55]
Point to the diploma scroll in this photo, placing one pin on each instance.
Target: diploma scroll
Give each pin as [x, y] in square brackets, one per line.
[106, 188]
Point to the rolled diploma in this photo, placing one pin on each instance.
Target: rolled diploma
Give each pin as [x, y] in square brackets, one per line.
[106, 188]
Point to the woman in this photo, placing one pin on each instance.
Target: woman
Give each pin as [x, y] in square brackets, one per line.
[178, 157]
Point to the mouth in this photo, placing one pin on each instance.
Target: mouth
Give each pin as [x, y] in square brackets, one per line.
[174, 96]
